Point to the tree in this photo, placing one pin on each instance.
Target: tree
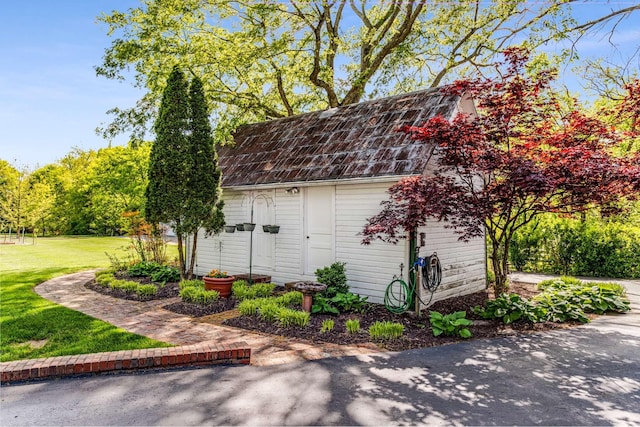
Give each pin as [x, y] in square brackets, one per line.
[261, 60]
[519, 158]
[204, 200]
[184, 178]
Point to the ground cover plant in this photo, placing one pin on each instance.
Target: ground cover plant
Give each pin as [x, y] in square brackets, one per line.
[33, 327]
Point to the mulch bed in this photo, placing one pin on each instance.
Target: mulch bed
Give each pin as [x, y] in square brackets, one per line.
[417, 330]
[168, 290]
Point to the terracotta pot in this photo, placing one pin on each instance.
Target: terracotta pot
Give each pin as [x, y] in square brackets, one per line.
[222, 285]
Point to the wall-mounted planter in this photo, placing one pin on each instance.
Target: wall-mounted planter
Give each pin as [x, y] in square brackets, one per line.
[240, 227]
[229, 228]
[265, 228]
[249, 226]
[274, 229]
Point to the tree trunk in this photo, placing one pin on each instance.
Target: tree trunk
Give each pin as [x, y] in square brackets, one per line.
[181, 257]
[500, 264]
[192, 262]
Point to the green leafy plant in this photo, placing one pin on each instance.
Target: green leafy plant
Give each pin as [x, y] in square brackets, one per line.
[386, 330]
[193, 283]
[105, 277]
[249, 307]
[242, 290]
[293, 298]
[146, 290]
[510, 308]
[322, 305]
[269, 311]
[327, 326]
[144, 269]
[346, 302]
[196, 295]
[353, 326]
[288, 317]
[334, 277]
[453, 324]
[165, 273]
[124, 285]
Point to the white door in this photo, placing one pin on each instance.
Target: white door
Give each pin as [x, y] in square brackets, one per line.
[320, 228]
[263, 243]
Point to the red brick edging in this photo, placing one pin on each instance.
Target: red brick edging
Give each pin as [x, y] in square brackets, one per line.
[202, 354]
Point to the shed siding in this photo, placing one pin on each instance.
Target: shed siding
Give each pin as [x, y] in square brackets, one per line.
[369, 268]
[463, 264]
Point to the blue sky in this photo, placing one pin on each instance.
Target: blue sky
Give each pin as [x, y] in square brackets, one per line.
[51, 100]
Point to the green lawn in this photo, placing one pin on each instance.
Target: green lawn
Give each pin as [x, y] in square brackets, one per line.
[25, 316]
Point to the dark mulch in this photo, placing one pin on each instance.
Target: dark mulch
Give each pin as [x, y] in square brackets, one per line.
[417, 330]
[196, 310]
[167, 290]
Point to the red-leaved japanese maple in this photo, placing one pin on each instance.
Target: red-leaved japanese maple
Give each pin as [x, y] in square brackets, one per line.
[520, 157]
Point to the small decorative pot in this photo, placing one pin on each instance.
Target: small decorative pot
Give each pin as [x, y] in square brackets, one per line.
[240, 227]
[222, 285]
[229, 228]
[274, 229]
[265, 228]
[249, 226]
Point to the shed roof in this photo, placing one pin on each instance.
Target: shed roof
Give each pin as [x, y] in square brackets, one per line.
[354, 141]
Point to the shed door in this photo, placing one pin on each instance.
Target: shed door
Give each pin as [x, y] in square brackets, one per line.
[320, 228]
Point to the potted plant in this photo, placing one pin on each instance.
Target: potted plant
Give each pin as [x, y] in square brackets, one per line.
[229, 228]
[240, 227]
[265, 228]
[274, 229]
[220, 281]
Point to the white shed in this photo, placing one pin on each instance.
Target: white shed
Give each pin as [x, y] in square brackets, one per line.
[320, 176]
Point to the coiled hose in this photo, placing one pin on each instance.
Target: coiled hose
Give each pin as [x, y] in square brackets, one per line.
[400, 295]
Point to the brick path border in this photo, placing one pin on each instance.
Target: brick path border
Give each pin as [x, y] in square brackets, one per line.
[203, 354]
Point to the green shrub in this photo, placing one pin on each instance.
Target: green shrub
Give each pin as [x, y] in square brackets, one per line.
[194, 283]
[263, 290]
[615, 288]
[249, 307]
[353, 326]
[242, 290]
[166, 273]
[144, 269]
[592, 246]
[334, 277]
[289, 299]
[123, 285]
[288, 317]
[104, 278]
[327, 326]
[453, 324]
[559, 306]
[510, 308]
[348, 301]
[385, 330]
[269, 310]
[146, 290]
[201, 296]
[322, 305]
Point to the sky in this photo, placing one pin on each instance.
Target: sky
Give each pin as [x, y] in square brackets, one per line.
[52, 101]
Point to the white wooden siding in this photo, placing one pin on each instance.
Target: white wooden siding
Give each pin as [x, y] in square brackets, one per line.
[463, 264]
[369, 268]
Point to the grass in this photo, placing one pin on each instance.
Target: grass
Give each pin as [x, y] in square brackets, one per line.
[25, 317]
